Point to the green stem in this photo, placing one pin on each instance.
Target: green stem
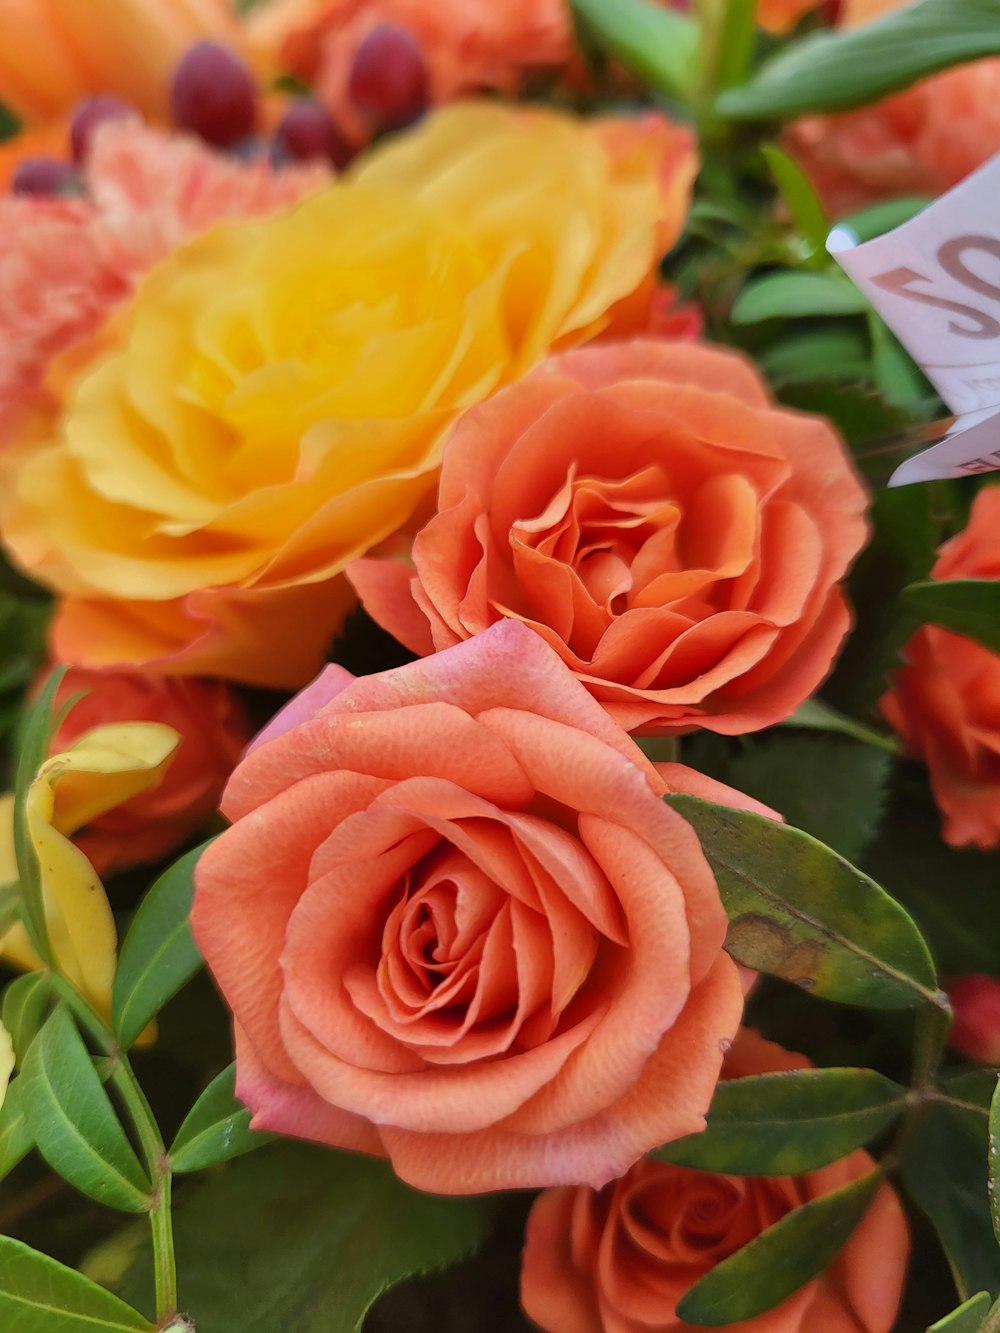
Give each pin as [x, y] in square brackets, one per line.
[992, 1324]
[147, 1133]
[930, 1034]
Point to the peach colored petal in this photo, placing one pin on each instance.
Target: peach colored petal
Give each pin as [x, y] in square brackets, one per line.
[680, 1076]
[247, 891]
[299, 1112]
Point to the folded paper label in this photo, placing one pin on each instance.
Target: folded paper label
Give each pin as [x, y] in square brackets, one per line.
[936, 282]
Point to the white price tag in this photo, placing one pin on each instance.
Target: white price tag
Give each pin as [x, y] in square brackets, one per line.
[936, 282]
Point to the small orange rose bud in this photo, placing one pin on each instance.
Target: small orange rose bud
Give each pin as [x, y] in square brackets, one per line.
[975, 1032]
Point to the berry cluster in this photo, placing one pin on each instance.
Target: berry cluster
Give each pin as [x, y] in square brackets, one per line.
[213, 94]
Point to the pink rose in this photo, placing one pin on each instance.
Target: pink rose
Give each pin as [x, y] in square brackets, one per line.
[458, 927]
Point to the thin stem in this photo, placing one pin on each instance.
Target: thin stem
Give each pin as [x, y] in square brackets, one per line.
[147, 1132]
[164, 1263]
[930, 1034]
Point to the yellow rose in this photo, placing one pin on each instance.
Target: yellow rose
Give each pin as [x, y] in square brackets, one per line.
[100, 770]
[277, 394]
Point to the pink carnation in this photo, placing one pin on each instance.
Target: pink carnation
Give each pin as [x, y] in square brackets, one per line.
[66, 264]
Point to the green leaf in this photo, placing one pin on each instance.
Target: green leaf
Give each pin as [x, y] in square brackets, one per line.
[907, 528]
[38, 1295]
[794, 294]
[831, 788]
[896, 374]
[783, 1124]
[15, 1137]
[815, 715]
[965, 606]
[298, 1237]
[23, 621]
[658, 45]
[74, 1124]
[858, 411]
[216, 1128]
[968, 1318]
[868, 223]
[994, 1160]
[25, 1003]
[34, 749]
[781, 1259]
[817, 353]
[801, 200]
[945, 1173]
[159, 954]
[10, 906]
[832, 70]
[798, 910]
[945, 890]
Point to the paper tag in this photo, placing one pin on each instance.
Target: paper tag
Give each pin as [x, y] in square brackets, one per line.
[963, 451]
[936, 282]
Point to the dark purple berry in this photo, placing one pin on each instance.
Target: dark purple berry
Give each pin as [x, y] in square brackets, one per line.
[44, 175]
[306, 132]
[388, 80]
[89, 113]
[213, 94]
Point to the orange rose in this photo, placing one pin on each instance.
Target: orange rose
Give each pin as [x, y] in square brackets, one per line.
[468, 45]
[945, 699]
[213, 730]
[673, 535]
[922, 140]
[56, 51]
[458, 927]
[620, 1260]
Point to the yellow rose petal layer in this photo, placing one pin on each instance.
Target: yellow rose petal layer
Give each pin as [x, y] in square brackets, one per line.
[279, 392]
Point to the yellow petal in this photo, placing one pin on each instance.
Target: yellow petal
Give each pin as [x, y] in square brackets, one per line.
[103, 768]
[80, 922]
[6, 1061]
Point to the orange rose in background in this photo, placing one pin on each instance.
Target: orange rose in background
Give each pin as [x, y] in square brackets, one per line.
[213, 729]
[56, 51]
[236, 438]
[945, 699]
[460, 47]
[644, 507]
[620, 1260]
[458, 927]
[467, 45]
[922, 140]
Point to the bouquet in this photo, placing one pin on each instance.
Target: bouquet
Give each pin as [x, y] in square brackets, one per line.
[500, 672]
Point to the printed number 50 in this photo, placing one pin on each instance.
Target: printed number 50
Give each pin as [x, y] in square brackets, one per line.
[951, 257]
